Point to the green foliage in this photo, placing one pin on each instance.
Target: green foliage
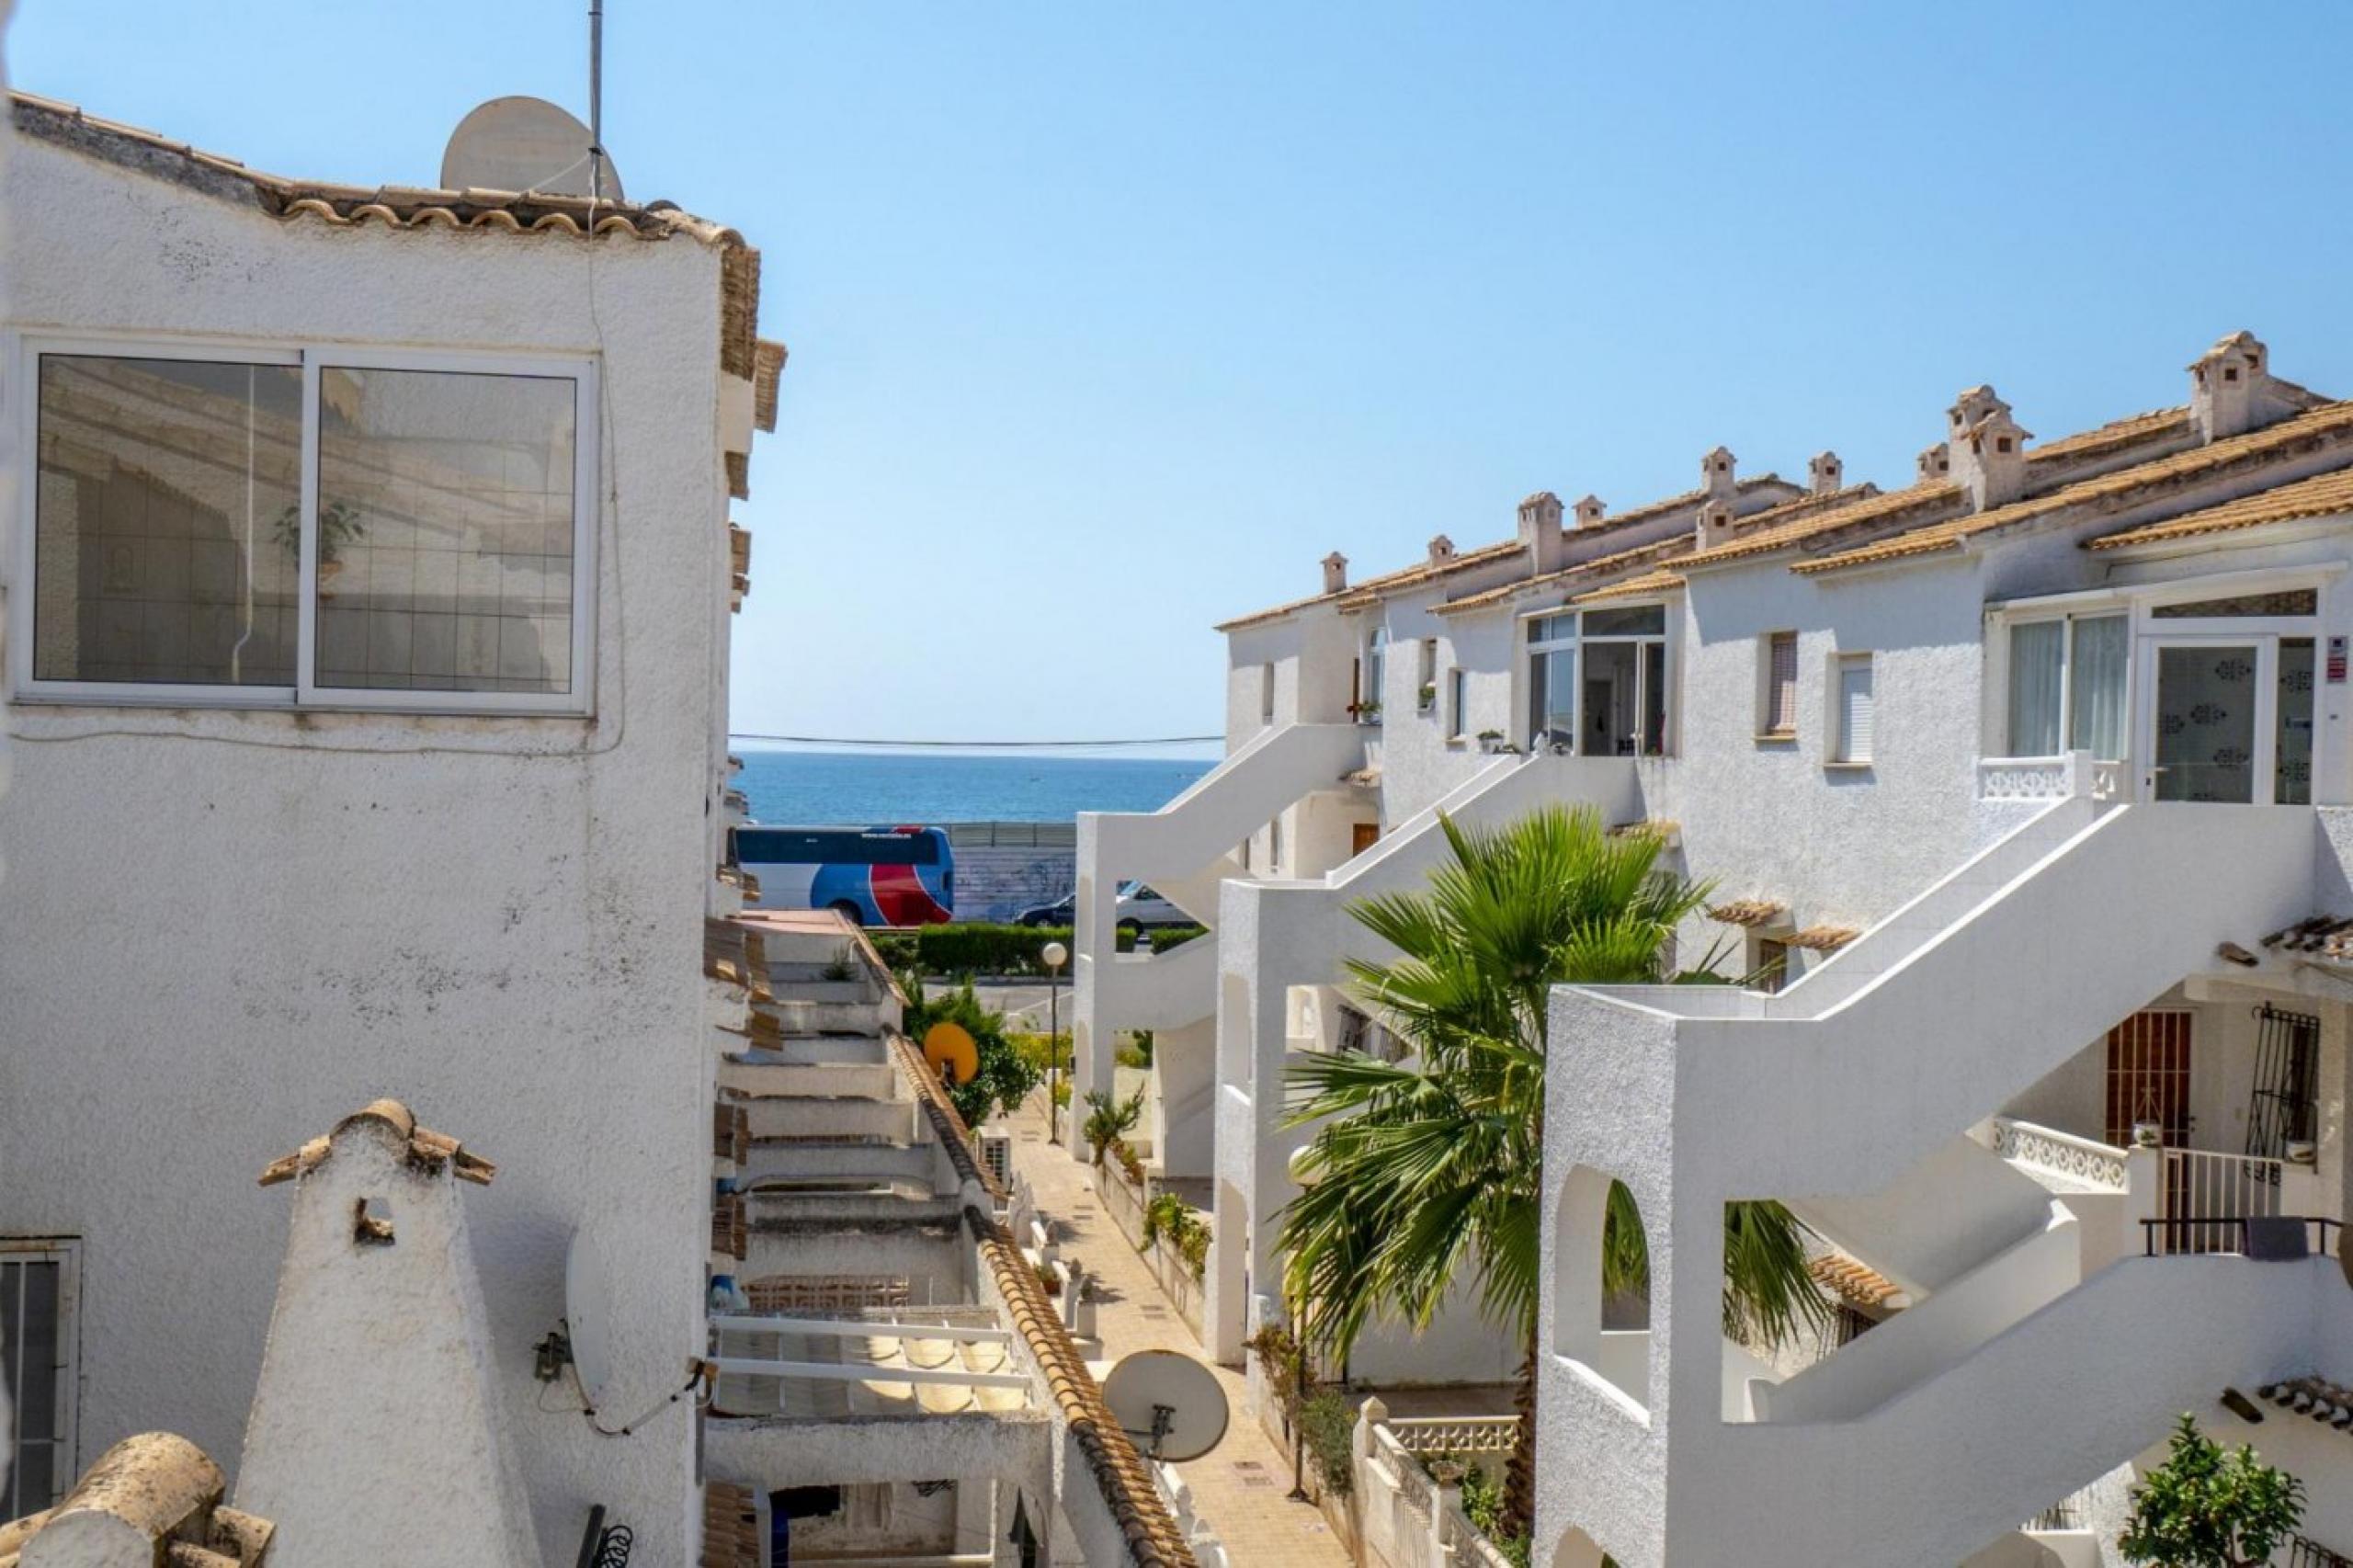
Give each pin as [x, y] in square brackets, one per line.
[1278, 1355]
[1329, 1426]
[978, 948]
[1422, 1174]
[1483, 1504]
[2210, 1507]
[1005, 1077]
[1109, 1119]
[1130, 1166]
[839, 969]
[1137, 1052]
[1170, 1216]
[1039, 1051]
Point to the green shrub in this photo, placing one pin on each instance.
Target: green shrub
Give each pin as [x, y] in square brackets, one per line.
[1130, 1166]
[1005, 1077]
[1107, 1118]
[1329, 1426]
[978, 948]
[1036, 1051]
[1170, 1216]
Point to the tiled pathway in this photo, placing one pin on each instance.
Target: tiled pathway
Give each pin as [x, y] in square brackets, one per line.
[1242, 1486]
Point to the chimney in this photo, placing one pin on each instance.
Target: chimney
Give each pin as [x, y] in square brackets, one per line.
[1717, 472]
[1825, 473]
[1442, 551]
[1936, 463]
[1590, 511]
[1539, 531]
[2223, 385]
[1336, 572]
[1715, 524]
[1987, 449]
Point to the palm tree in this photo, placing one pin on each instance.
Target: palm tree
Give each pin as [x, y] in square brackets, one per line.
[1426, 1172]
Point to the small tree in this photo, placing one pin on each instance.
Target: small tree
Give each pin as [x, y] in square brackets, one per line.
[1004, 1078]
[2210, 1507]
[1108, 1119]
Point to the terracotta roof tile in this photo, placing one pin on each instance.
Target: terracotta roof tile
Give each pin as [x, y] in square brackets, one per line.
[1748, 912]
[395, 206]
[2323, 494]
[1856, 1281]
[427, 1151]
[2315, 428]
[2116, 433]
[1824, 938]
[1584, 570]
[1361, 595]
[1633, 587]
[1876, 510]
[2329, 935]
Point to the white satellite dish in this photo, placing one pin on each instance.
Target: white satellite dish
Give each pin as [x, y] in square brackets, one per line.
[1170, 1404]
[588, 1318]
[522, 144]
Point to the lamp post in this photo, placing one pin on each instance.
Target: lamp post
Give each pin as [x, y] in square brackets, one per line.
[1054, 955]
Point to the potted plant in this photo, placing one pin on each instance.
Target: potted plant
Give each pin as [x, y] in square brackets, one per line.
[339, 525]
[1367, 712]
[2148, 1134]
[1492, 742]
[2302, 1151]
[1429, 697]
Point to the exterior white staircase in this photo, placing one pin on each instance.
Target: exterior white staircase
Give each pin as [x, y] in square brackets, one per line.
[2016, 1378]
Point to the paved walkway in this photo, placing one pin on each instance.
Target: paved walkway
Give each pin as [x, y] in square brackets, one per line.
[1242, 1486]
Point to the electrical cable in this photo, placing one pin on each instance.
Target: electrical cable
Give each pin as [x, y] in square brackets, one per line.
[992, 746]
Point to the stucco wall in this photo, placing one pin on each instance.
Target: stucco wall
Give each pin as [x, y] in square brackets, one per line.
[223, 930]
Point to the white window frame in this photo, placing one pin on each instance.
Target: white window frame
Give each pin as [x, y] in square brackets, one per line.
[23, 355]
[1457, 702]
[2117, 609]
[1765, 730]
[1577, 641]
[65, 1251]
[1842, 744]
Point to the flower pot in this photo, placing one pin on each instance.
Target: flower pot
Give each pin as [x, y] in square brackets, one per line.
[2148, 1134]
[2302, 1151]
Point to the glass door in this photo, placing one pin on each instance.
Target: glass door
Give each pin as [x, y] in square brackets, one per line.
[2207, 741]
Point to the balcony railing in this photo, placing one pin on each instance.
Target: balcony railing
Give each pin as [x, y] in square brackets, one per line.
[2265, 1237]
[2081, 1159]
[2049, 778]
[2304, 1552]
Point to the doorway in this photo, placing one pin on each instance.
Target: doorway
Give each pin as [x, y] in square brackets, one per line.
[2148, 1077]
[1363, 836]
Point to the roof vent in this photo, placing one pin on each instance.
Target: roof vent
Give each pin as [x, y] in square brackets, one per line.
[1442, 551]
[2224, 382]
[1590, 511]
[1336, 572]
[1988, 451]
[1825, 473]
[1936, 463]
[1715, 524]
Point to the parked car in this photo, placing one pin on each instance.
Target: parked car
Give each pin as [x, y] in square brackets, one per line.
[1141, 909]
[1062, 912]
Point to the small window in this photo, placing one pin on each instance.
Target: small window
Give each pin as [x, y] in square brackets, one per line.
[1458, 703]
[1426, 677]
[1858, 710]
[39, 1289]
[1778, 715]
[1266, 693]
[1770, 969]
[1274, 846]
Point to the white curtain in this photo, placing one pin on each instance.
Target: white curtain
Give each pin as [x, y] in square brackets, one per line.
[2097, 678]
[2036, 648]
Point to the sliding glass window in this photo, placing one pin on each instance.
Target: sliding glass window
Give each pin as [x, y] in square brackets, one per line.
[2067, 686]
[306, 529]
[1596, 681]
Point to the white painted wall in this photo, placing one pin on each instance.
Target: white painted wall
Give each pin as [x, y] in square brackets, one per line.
[239, 926]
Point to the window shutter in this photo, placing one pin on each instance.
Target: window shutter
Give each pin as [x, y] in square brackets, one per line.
[1781, 685]
[1857, 708]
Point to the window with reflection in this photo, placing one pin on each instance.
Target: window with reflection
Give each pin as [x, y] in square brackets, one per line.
[170, 532]
[2067, 686]
[1596, 681]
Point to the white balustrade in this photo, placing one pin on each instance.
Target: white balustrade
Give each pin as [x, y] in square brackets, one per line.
[1456, 1434]
[2210, 1188]
[2080, 1159]
[2025, 779]
[1409, 1520]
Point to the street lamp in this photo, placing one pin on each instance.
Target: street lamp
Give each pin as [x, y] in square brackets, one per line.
[1055, 955]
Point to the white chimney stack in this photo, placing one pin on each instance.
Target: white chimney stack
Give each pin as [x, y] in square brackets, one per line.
[1590, 511]
[1825, 473]
[1442, 551]
[1539, 532]
[1336, 572]
[2223, 385]
[1987, 447]
[1718, 472]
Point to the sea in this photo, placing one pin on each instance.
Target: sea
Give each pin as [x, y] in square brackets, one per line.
[811, 788]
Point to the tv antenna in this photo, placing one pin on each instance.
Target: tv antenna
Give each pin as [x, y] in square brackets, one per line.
[1168, 1402]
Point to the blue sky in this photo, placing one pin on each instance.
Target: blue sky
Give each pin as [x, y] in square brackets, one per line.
[1108, 320]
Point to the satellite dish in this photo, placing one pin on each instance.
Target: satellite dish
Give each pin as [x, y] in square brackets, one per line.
[1169, 1403]
[951, 1052]
[588, 1318]
[523, 143]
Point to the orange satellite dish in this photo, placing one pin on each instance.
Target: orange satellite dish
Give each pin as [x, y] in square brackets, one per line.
[951, 1052]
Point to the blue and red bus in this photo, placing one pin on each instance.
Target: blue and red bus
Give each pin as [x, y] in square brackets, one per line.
[875, 876]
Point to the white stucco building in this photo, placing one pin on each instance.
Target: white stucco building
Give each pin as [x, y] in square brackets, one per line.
[365, 597]
[2025, 779]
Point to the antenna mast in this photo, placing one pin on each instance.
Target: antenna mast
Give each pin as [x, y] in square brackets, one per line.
[596, 103]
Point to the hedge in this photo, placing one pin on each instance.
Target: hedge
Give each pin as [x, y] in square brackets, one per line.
[976, 948]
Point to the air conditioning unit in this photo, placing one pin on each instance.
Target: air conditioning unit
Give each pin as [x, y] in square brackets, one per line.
[997, 1155]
